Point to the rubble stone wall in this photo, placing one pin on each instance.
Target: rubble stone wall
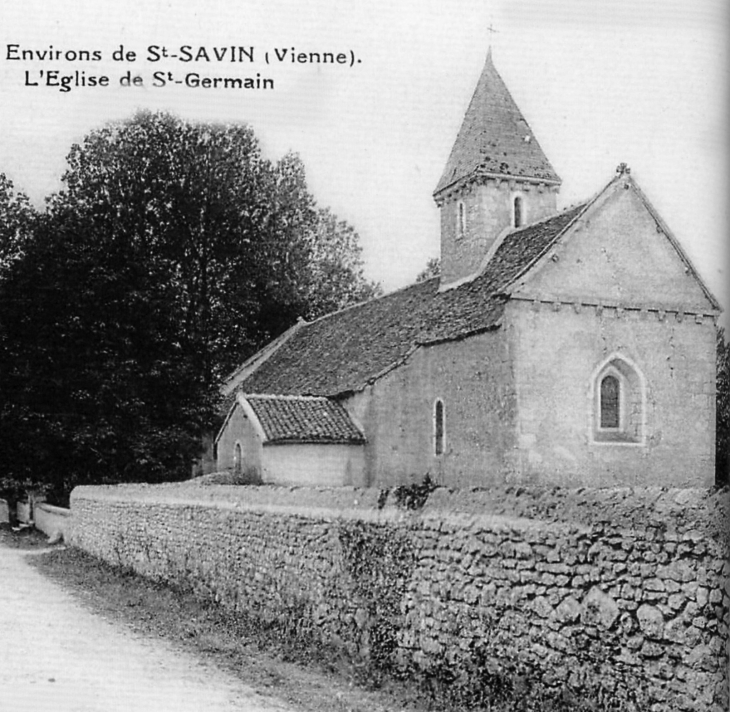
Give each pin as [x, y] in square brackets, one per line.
[621, 593]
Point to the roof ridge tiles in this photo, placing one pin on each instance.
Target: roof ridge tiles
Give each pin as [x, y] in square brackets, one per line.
[284, 396]
[357, 305]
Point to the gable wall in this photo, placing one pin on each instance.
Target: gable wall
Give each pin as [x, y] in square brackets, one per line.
[618, 254]
[239, 429]
[556, 355]
[473, 378]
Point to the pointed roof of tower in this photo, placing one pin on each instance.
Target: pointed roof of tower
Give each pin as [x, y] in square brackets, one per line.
[494, 138]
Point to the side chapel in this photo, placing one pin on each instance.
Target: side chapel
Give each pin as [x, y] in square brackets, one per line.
[572, 348]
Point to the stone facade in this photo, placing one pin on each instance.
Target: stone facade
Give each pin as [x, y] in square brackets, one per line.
[474, 381]
[558, 353]
[520, 403]
[488, 211]
[617, 289]
[315, 464]
[619, 594]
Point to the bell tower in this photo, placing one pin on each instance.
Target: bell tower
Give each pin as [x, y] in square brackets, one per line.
[497, 178]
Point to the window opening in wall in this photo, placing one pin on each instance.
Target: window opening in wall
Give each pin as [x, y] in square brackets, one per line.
[461, 219]
[438, 427]
[619, 402]
[610, 402]
[518, 211]
[237, 457]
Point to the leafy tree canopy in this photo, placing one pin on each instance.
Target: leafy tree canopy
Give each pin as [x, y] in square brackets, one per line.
[239, 238]
[334, 276]
[173, 252]
[17, 219]
[432, 269]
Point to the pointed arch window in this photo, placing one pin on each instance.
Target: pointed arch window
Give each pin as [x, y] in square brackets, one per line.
[439, 430]
[619, 395]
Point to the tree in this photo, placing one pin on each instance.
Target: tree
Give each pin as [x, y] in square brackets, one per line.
[240, 238]
[94, 383]
[17, 218]
[174, 251]
[432, 269]
[334, 277]
[216, 221]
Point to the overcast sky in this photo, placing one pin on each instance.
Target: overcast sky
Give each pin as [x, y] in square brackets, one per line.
[600, 82]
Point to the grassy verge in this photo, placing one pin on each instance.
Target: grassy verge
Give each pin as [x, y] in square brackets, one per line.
[309, 679]
[25, 538]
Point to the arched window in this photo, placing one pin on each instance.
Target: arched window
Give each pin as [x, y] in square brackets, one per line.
[619, 402]
[237, 459]
[610, 402]
[438, 427]
[460, 219]
[518, 210]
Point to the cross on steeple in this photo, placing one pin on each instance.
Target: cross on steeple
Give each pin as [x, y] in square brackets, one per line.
[492, 31]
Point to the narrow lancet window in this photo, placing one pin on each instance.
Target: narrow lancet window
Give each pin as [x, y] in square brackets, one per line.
[519, 217]
[237, 459]
[610, 402]
[461, 220]
[438, 428]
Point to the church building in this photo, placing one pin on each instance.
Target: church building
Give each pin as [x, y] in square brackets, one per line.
[571, 348]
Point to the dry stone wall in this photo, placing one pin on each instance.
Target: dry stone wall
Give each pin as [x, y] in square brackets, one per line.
[613, 595]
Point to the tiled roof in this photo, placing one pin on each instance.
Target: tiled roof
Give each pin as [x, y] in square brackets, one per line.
[302, 419]
[342, 352]
[495, 138]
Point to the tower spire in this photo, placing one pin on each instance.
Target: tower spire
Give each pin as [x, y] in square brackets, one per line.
[496, 178]
[495, 139]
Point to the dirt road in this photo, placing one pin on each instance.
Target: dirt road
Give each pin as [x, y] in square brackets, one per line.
[55, 656]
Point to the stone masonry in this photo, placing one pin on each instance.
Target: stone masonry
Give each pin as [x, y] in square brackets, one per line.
[618, 593]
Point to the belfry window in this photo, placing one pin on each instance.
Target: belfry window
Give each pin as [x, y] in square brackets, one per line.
[460, 219]
[519, 211]
[438, 427]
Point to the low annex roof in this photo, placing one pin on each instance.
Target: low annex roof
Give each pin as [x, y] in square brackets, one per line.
[344, 351]
[303, 419]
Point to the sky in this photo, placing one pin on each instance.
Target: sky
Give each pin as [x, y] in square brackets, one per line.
[600, 83]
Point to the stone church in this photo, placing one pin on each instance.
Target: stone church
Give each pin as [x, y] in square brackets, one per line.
[572, 348]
